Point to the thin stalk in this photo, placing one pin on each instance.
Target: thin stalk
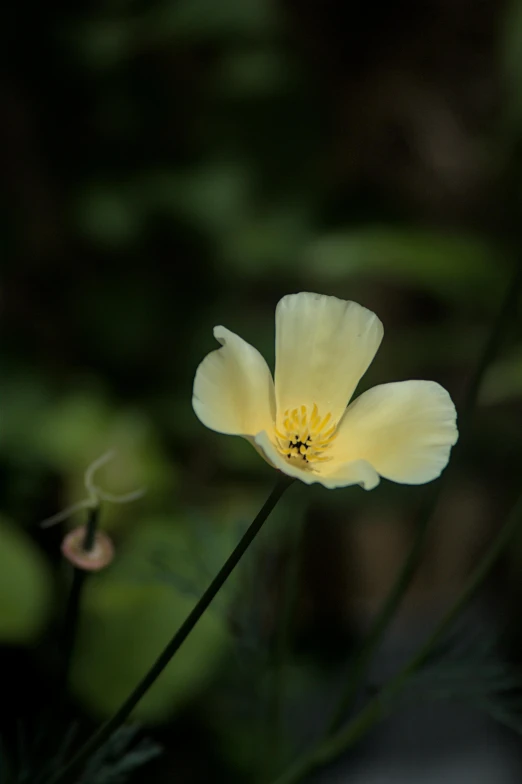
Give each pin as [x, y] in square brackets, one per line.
[106, 730]
[360, 664]
[73, 604]
[49, 724]
[380, 705]
[275, 713]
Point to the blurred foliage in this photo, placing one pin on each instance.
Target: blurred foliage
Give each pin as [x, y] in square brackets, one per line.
[130, 615]
[120, 757]
[25, 586]
[178, 164]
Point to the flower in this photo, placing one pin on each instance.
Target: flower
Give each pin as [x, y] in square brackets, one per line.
[303, 422]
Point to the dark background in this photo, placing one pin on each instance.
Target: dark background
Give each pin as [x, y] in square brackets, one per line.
[176, 164]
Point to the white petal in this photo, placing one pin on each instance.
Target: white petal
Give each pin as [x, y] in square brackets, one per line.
[358, 472]
[233, 388]
[324, 346]
[405, 430]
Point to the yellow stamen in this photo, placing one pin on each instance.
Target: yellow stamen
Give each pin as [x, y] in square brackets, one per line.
[305, 435]
[325, 421]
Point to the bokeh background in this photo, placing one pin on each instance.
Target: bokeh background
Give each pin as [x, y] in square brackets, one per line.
[175, 164]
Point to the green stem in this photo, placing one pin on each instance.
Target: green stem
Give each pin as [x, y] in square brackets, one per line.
[275, 729]
[380, 705]
[360, 664]
[73, 604]
[70, 771]
[49, 726]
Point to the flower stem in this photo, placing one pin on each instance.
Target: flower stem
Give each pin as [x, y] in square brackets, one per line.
[49, 725]
[379, 706]
[359, 666]
[73, 604]
[363, 657]
[70, 771]
[275, 713]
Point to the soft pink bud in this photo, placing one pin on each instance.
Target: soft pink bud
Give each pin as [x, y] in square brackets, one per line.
[92, 560]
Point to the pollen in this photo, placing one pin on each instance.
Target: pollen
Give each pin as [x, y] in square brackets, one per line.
[306, 435]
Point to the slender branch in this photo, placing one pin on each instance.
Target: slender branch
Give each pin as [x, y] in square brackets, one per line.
[380, 705]
[362, 660]
[73, 604]
[70, 771]
[281, 644]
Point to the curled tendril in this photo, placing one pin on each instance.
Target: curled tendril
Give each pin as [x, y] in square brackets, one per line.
[95, 493]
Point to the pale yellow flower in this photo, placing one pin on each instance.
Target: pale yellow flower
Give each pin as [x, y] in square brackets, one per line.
[302, 423]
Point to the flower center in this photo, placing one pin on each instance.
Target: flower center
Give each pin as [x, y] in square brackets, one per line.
[306, 435]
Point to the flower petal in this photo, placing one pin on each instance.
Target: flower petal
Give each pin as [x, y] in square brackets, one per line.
[359, 472]
[405, 430]
[233, 388]
[324, 346]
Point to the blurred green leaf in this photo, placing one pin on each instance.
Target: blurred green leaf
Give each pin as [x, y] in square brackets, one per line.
[452, 266]
[254, 72]
[109, 215]
[82, 427]
[214, 196]
[25, 586]
[25, 401]
[199, 19]
[103, 43]
[470, 670]
[107, 42]
[269, 239]
[117, 759]
[503, 381]
[127, 623]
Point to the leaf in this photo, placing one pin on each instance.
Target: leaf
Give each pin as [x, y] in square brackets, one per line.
[503, 381]
[107, 42]
[119, 757]
[198, 19]
[471, 670]
[214, 196]
[25, 586]
[127, 623]
[269, 239]
[452, 265]
[109, 215]
[258, 72]
[82, 427]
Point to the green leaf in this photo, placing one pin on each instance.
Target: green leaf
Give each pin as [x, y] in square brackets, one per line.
[25, 586]
[82, 427]
[470, 669]
[255, 72]
[109, 215]
[119, 757]
[200, 19]
[130, 616]
[453, 266]
[214, 196]
[107, 42]
[269, 240]
[503, 381]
